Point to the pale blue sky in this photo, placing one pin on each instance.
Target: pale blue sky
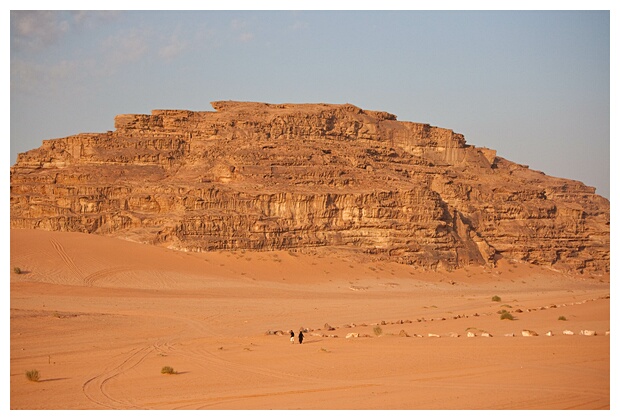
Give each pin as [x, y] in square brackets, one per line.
[533, 85]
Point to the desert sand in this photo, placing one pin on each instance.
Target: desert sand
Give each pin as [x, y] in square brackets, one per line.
[100, 317]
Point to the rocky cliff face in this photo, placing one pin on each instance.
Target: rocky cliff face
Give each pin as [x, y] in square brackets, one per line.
[265, 177]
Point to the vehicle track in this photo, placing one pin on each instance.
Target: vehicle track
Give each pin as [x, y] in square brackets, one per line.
[69, 263]
[95, 387]
[90, 279]
[221, 400]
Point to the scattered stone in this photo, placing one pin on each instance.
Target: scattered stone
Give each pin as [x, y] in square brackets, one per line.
[274, 332]
[352, 335]
[485, 334]
[529, 333]
[509, 335]
[471, 334]
[549, 334]
[568, 332]
[454, 335]
[403, 333]
[606, 332]
[587, 332]
[328, 327]
[433, 335]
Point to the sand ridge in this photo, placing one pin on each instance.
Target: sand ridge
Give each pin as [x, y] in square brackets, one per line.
[99, 317]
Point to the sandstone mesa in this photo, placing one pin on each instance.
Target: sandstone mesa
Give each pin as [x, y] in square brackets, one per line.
[256, 176]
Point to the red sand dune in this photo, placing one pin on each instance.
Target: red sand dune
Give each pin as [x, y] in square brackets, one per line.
[99, 318]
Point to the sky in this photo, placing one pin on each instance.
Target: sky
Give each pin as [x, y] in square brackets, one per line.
[534, 85]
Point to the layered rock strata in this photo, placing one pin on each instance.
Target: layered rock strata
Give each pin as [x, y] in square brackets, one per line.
[258, 176]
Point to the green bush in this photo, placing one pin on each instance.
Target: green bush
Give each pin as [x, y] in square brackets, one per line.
[32, 375]
[167, 370]
[506, 315]
[17, 270]
[496, 298]
[377, 330]
[562, 318]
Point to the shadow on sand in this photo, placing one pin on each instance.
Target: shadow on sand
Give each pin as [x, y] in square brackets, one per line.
[316, 340]
[52, 379]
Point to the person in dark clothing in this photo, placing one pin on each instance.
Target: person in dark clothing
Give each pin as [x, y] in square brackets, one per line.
[301, 337]
[292, 337]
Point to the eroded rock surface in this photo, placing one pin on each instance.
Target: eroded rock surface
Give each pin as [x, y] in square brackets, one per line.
[270, 177]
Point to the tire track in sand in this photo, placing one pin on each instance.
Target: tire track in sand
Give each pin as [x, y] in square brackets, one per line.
[90, 279]
[69, 263]
[95, 388]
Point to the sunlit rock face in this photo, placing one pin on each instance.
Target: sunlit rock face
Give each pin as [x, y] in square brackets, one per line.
[256, 176]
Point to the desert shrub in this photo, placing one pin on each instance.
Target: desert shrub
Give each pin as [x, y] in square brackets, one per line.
[562, 318]
[167, 370]
[32, 375]
[377, 330]
[496, 298]
[506, 315]
[17, 270]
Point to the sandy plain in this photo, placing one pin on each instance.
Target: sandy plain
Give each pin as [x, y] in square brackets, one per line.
[100, 317]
